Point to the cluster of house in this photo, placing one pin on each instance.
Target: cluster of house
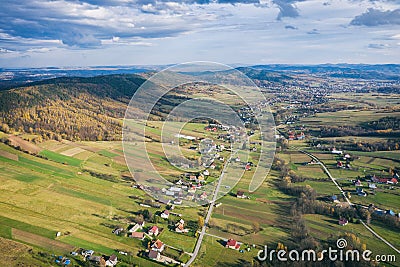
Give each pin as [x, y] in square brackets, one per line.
[182, 190]
[344, 162]
[154, 253]
[155, 250]
[88, 256]
[157, 246]
[386, 212]
[372, 184]
[234, 135]
[186, 190]
[189, 194]
[216, 126]
[389, 180]
[133, 231]
[295, 136]
[359, 190]
[342, 165]
[372, 181]
[247, 115]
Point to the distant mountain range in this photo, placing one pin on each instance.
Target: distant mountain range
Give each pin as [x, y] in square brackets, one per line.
[359, 71]
[10, 78]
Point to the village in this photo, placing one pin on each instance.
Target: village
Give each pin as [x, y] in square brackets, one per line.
[320, 130]
[190, 188]
[196, 186]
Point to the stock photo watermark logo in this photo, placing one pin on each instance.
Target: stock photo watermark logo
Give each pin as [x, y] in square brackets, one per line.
[339, 253]
[154, 131]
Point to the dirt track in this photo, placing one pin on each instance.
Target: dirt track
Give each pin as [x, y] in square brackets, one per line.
[41, 241]
[8, 155]
[25, 145]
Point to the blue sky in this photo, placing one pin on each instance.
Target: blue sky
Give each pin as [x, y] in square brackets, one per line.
[38, 33]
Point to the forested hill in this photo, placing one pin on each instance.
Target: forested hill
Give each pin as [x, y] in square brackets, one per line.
[69, 108]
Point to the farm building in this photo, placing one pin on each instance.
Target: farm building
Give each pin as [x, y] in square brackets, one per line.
[232, 244]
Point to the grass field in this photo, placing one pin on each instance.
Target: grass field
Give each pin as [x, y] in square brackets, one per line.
[322, 227]
[19, 254]
[267, 206]
[40, 241]
[345, 117]
[370, 99]
[80, 205]
[213, 253]
[326, 188]
[380, 154]
[59, 194]
[60, 158]
[178, 240]
[108, 154]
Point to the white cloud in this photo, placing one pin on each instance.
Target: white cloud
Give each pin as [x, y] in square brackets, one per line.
[376, 17]
[4, 50]
[156, 31]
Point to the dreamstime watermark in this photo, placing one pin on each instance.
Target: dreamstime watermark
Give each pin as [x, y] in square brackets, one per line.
[331, 254]
[154, 129]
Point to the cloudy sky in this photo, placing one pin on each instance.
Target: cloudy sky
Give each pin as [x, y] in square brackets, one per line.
[39, 33]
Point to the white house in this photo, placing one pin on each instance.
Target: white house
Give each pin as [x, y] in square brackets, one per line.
[112, 261]
[338, 152]
[136, 227]
[165, 214]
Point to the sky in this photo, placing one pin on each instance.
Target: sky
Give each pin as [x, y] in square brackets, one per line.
[79, 33]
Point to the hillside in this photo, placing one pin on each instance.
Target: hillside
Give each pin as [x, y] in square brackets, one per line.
[69, 108]
[86, 109]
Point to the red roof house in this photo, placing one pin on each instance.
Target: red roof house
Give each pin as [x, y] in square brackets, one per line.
[232, 243]
[139, 235]
[153, 230]
[158, 245]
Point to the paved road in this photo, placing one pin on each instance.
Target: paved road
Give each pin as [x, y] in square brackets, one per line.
[348, 201]
[329, 175]
[208, 216]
